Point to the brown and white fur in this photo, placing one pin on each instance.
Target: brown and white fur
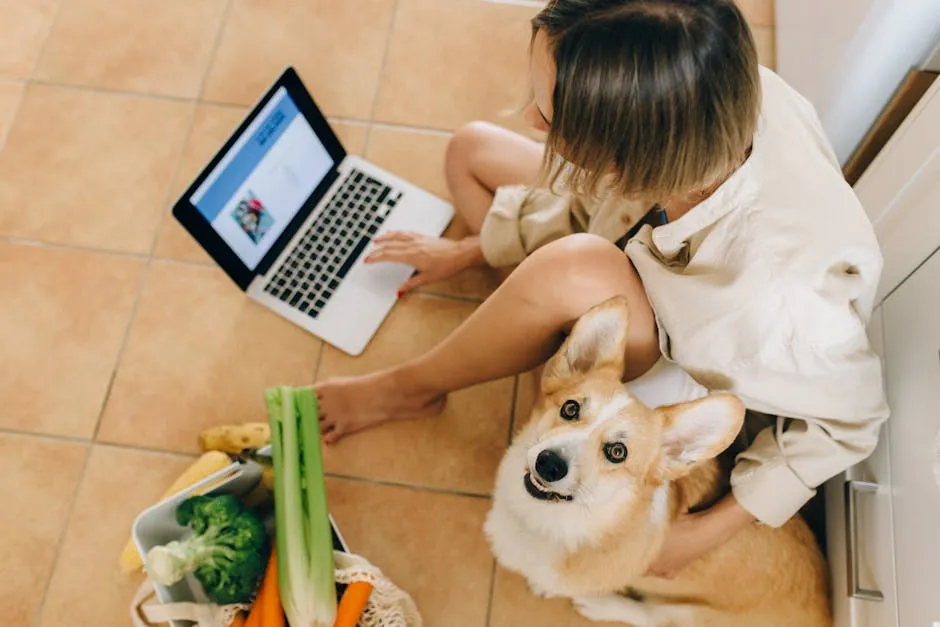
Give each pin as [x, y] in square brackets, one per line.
[592, 533]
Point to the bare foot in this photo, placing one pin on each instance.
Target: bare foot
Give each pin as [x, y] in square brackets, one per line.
[350, 404]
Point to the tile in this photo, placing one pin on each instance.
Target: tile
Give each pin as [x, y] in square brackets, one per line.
[419, 158]
[212, 126]
[93, 168]
[758, 12]
[413, 155]
[199, 353]
[438, 75]
[10, 94]
[514, 605]
[431, 545]
[764, 39]
[351, 135]
[101, 43]
[337, 48]
[64, 316]
[458, 450]
[23, 31]
[41, 479]
[87, 588]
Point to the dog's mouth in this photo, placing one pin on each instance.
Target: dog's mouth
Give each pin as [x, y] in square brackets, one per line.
[536, 491]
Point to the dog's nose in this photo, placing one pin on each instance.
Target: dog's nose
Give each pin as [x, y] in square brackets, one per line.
[551, 466]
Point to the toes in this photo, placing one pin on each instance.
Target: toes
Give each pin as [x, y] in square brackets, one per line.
[331, 437]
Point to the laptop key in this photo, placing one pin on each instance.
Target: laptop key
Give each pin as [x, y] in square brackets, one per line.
[353, 256]
[295, 299]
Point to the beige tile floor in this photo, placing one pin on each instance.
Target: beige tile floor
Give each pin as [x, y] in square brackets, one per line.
[119, 341]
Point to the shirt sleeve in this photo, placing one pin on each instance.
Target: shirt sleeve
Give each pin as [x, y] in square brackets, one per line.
[521, 220]
[787, 344]
[830, 396]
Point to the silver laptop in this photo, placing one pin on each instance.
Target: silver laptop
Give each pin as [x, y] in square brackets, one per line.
[289, 216]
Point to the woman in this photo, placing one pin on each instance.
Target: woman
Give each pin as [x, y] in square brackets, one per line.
[761, 281]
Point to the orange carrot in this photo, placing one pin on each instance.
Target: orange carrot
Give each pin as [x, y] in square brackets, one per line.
[238, 621]
[254, 616]
[352, 604]
[272, 614]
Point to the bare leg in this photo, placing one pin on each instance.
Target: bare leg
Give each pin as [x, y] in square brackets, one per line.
[482, 157]
[517, 328]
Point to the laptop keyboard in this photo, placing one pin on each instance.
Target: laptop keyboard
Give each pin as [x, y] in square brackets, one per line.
[333, 242]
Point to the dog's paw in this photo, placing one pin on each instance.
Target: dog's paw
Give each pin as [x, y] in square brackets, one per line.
[613, 608]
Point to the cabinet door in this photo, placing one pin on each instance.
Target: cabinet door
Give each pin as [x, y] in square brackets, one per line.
[912, 354]
[872, 528]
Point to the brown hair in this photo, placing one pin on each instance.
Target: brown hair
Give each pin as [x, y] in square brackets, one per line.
[663, 95]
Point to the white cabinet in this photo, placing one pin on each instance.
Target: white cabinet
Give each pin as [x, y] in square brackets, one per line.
[891, 537]
[912, 355]
[871, 525]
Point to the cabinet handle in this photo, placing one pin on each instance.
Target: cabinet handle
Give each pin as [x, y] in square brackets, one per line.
[852, 488]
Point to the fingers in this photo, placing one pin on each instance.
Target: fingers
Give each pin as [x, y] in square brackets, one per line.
[391, 252]
[396, 236]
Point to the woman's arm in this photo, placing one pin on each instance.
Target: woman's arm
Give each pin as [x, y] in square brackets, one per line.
[693, 535]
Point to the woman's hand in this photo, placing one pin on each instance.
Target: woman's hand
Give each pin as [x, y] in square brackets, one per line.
[692, 535]
[433, 258]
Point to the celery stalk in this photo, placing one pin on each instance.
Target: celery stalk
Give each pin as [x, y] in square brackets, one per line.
[304, 541]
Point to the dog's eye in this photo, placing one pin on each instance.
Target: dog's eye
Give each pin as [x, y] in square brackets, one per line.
[615, 452]
[571, 410]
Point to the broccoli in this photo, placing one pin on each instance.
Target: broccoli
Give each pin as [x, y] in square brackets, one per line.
[227, 552]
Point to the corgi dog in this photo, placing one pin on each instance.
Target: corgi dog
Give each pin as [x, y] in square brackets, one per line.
[586, 492]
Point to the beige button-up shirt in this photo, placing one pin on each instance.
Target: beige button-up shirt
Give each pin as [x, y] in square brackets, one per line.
[764, 290]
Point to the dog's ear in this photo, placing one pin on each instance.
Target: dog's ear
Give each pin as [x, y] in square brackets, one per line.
[598, 340]
[698, 430]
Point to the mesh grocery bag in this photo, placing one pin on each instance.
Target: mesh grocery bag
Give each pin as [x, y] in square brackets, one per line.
[388, 605]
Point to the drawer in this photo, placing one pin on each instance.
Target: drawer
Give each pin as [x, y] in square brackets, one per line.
[872, 556]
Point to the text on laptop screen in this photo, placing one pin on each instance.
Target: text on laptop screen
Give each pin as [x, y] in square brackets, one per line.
[264, 180]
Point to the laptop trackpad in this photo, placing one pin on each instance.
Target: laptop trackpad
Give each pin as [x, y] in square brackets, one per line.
[381, 278]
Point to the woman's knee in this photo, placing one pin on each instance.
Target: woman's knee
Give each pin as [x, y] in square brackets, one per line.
[577, 272]
[584, 270]
[583, 256]
[465, 145]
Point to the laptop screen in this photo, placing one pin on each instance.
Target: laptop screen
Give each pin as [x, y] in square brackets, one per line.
[262, 182]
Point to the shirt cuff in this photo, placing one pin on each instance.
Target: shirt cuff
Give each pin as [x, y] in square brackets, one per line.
[771, 491]
[500, 236]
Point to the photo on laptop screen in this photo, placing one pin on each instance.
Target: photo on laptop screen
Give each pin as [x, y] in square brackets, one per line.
[264, 180]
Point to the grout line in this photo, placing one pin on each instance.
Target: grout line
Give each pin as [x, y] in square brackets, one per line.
[187, 137]
[144, 275]
[410, 486]
[15, 112]
[54, 437]
[378, 85]
[22, 241]
[414, 129]
[316, 369]
[216, 42]
[45, 42]
[489, 604]
[109, 90]
[40, 608]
